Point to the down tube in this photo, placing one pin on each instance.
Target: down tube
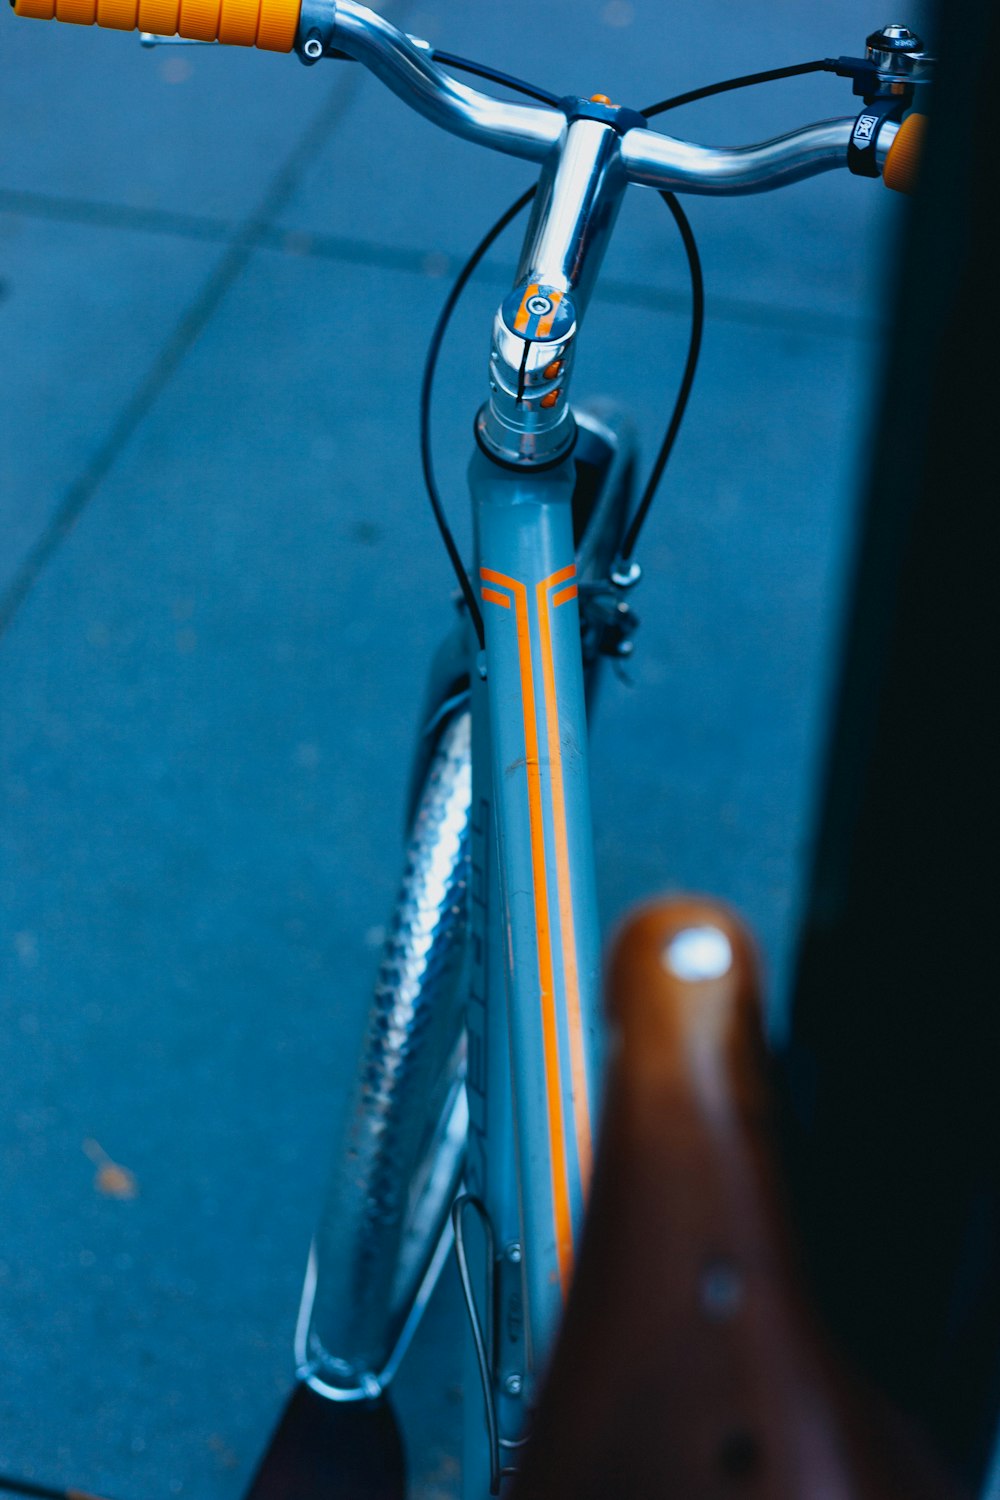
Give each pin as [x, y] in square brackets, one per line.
[527, 579]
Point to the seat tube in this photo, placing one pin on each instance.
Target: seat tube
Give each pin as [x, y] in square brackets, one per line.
[541, 797]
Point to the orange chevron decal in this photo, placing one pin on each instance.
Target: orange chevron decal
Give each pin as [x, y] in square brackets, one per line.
[492, 597]
[546, 968]
[581, 1102]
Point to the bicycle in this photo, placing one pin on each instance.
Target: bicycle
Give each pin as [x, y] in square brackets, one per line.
[556, 537]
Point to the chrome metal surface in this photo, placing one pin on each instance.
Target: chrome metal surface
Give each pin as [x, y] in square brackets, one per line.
[898, 53]
[514, 425]
[527, 419]
[526, 130]
[894, 38]
[574, 211]
[660, 161]
[886, 136]
[539, 133]
[398, 1169]
[447, 1161]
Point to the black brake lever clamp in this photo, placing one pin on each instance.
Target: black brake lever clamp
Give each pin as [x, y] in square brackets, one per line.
[862, 158]
[887, 78]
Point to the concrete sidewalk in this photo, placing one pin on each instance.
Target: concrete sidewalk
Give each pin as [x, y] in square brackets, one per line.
[220, 585]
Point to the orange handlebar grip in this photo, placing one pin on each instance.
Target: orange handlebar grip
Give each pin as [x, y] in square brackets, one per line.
[902, 163]
[269, 24]
[40, 10]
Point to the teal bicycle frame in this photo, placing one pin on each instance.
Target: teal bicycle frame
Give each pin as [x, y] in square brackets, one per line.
[528, 1096]
[546, 916]
[534, 1023]
[483, 1060]
[531, 765]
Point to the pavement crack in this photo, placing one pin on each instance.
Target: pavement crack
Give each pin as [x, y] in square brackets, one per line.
[62, 210]
[240, 247]
[420, 261]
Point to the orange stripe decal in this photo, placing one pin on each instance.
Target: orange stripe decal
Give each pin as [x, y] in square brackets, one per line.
[521, 321]
[546, 969]
[574, 1016]
[545, 324]
[492, 597]
[564, 596]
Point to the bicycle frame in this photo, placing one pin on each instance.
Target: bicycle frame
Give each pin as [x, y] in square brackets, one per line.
[535, 946]
[533, 1021]
[526, 1106]
[356, 1318]
[531, 766]
[546, 917]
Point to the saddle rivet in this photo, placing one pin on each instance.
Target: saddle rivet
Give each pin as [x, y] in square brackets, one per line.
[697, 953]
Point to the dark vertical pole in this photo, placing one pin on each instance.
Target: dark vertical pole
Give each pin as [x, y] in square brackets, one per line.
[894, 1064]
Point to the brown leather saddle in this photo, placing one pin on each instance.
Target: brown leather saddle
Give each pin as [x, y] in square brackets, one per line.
[691, 1364]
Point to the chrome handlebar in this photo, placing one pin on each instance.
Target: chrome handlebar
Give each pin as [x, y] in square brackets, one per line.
[527, 130]
[588, 154]
[534, 131]
[660, 161]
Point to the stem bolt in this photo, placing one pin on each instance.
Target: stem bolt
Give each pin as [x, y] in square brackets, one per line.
[513, 1384]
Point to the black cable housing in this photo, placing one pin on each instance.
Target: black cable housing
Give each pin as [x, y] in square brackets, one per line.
[519, 86]
[631, 536]
[12, 1484]
[746, 80]
[820, 65]
[426, 392]
[494, 75]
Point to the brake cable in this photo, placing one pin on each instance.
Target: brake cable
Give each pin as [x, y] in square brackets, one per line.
[494, 75]
[518, 85]
[821, 65]
[15, 1484]
[625, 573]
[426, 393]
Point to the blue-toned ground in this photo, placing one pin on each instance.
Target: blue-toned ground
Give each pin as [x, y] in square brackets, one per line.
[218, 272]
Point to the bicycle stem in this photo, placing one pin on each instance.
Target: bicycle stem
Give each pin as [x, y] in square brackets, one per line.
[589, 151]
[527, 420]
